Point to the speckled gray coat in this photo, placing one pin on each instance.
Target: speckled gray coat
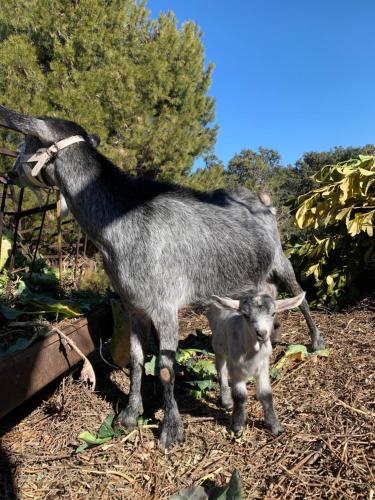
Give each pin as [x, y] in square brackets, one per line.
[163, 246]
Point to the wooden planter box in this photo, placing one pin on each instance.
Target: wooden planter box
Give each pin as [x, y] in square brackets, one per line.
[28, 371]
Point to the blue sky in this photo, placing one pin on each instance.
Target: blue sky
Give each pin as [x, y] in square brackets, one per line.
[294, 75]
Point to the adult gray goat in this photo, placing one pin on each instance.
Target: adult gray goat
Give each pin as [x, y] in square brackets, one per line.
[163, 246]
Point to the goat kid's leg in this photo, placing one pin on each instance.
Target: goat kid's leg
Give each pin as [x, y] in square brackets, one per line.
[167, 327]
[222, 373]
[138, 336]
[286, 275]
[239, 395]
[264, 395]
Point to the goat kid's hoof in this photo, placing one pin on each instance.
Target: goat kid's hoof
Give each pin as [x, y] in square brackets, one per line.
[275, 428]
[227, 408]
[172, 433]
[227, 405]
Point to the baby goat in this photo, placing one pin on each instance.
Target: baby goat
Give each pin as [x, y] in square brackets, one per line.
[241, 338]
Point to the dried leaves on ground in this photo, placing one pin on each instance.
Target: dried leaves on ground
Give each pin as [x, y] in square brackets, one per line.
[326, 404]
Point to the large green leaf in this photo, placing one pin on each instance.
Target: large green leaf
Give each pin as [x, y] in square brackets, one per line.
[46, 304]
[90, 439]
[295, 352]
[106, 433]
[204, 367]
[106, 429]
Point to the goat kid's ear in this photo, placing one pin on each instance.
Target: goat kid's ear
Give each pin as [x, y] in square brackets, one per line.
[25, 124]
[285, 304]
[94, 140]
[227, 303]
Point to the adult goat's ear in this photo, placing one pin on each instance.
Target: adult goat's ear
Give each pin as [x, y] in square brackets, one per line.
[25, 124]
[94, 140]
[227, 303]
[285, 304]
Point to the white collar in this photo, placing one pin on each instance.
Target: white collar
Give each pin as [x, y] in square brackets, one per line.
[44, 155]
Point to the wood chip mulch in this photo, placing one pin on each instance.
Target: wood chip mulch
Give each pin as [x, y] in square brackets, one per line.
[327, 407]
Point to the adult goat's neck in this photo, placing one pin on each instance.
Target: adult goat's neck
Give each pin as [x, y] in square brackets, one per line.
[97, 192]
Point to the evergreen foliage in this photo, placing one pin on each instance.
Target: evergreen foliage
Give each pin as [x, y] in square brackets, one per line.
[212, 176]
[262, 170]
[141, 84]
[258, 170]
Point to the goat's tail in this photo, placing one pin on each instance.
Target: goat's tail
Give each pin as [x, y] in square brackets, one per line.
[265, 199]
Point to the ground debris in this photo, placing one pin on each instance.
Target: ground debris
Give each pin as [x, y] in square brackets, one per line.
[326, 406]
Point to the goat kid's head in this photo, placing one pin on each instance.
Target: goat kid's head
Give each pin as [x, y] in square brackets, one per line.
[41, 133]
[259, 311]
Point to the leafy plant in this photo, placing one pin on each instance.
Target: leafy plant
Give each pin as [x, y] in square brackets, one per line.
[295, 352]
[106, 433]
[95, 279]
[198, 368]
[340, 214]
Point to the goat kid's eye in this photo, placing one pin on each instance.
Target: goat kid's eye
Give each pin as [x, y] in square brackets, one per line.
[273, 314]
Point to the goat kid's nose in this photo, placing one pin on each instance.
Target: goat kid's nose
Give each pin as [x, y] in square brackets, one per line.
[261, 334]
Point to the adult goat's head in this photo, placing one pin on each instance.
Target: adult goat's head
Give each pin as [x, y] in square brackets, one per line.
[41, 133]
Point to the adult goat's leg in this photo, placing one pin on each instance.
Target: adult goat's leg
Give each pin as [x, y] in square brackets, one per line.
[166, 325]
[140, 327]
[285, 273]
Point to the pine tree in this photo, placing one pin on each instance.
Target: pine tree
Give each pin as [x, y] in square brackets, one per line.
[253, 169]
[212, 176]
[141, 84]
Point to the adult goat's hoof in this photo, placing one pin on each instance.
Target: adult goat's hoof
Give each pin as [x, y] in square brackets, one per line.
[238, 433]
[238, 427]
[318, 344]
[126, 419]
[172, 432]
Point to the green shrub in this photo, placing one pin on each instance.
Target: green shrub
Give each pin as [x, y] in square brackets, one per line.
[338, 257]
[95, 279]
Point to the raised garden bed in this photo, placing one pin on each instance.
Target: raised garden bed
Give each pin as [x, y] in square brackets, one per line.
[26, 372]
